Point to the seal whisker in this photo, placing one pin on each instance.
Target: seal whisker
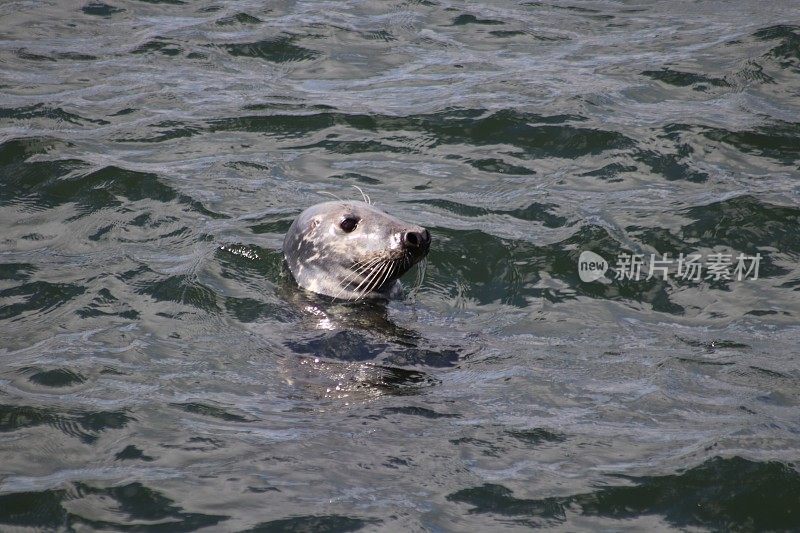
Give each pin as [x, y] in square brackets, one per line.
[420, 277]
[359, 292]
[375, 283]
[383, 275]
[374, 263]
[359, 268]
[390, 270]
[368, 281]
[364, 196]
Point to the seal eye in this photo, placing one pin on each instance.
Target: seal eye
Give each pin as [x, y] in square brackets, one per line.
[349, 224]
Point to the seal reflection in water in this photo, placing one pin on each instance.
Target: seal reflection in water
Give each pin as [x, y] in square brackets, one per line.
[351, 250]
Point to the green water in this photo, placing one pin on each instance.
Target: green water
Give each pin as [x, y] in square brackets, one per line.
[159, 371]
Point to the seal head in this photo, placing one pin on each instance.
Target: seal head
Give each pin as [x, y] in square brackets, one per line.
[352, 250]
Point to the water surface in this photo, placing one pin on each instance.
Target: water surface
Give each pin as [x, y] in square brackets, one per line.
[159, 371]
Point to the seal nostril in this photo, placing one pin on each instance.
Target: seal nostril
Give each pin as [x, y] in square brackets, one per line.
[426, 236]
[412, 238]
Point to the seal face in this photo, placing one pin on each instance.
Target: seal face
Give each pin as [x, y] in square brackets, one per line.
[352, 250]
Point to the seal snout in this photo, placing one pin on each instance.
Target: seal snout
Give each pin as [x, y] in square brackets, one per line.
[420, 240]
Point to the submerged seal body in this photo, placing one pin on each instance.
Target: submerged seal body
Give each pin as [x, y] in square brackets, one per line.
[352, 250]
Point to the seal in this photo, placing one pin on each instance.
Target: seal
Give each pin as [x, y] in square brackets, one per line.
[352, 250]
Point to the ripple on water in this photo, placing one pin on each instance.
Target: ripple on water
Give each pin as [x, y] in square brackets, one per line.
[159, 369]
[277, 50]
[49, 508]
[58, 377]
[86, 426]
[719, 493]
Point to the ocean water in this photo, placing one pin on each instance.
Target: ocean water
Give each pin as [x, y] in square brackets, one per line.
[159, 371]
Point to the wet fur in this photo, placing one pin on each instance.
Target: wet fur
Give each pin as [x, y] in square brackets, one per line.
[367, 262]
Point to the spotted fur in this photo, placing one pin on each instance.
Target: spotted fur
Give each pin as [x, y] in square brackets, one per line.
[365, 262]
